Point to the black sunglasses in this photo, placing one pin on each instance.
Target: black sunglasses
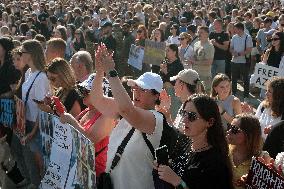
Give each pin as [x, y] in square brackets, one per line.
[191, 116]
[233, 129]
[181, 38]
[83, 91]
[23, 52]
[139, 31]
[275, 39]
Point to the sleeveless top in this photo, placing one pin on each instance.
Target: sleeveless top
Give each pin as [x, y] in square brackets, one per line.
[101, 147]
[227, 106]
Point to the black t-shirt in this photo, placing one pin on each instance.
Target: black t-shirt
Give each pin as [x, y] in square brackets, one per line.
[206, 169]
[253, 33]
[109, 42]
[173, 69]
[8, 76]
[274, 142]
[274, 58]
[71, 98]
[220, 38]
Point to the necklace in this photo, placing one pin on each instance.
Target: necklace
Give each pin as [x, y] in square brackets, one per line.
[203, 148]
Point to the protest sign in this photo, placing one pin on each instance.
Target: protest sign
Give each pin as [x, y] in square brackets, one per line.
[7, 111]
[154, 52]
[136, 56]
[264, 73]
[261, 176]
[68, 155]
[20, 126]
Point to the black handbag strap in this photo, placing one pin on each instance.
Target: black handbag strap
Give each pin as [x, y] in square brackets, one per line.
[100, 151]
[149, 144]
[120, 149]
[29, 90]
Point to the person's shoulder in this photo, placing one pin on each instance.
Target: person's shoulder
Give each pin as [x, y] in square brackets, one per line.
[236, 100]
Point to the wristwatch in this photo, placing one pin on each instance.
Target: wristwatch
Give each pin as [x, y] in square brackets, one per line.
[182, 185]
[112, 73]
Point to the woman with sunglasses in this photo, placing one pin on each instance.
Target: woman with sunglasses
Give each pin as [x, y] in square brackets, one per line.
[207, 162]
[274, 55]
[244, 138]
[185, 50]
[62, 78]
[35, 87]
[78, 42]
[173, 39]
[92, 123]
[228, 104]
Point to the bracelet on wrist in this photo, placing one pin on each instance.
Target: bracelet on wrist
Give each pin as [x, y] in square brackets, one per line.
[182, 185]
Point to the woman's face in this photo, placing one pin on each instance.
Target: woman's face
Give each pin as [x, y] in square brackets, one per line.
[223, 89]
[157, 34]
[235, 135]
[183, 40]
[26, 58]
[19, 65]
[275, 40]
[140, 33]
[54, 79]
[269, 93]
[170, 54]
[57, 33]
[173, 30]
[77, 34]
[202, 34]
[194, 125]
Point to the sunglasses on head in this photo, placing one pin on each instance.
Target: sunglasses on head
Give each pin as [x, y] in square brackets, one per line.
[233, 129]
[191, 116]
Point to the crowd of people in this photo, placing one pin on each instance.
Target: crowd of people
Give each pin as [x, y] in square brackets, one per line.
[78, 51]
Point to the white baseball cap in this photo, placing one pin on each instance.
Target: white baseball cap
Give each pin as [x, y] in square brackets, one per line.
[148, 80]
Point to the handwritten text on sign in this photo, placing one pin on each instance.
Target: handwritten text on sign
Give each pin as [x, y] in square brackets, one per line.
[264, 73]
[262, 177]
[7, 107]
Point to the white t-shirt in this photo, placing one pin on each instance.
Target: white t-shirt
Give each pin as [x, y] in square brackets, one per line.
[134, 170]
[38, 91]
[266, 119]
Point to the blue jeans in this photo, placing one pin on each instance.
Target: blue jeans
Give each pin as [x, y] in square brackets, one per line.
[218, 66]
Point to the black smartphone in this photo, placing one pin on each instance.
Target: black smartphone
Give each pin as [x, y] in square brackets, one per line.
[162, 155]
[38, 101]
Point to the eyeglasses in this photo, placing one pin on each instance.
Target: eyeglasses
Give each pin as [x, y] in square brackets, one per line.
[139, 31]
[191, 116]
[181, 38]
[233, 129]
[275, 39]
[172, 28]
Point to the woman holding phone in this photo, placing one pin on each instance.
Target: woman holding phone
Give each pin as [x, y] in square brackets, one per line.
[207, 162]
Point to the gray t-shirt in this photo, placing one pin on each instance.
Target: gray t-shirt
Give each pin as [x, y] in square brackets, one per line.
[238, 45]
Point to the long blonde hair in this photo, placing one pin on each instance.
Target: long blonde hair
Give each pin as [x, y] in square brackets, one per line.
[34, 48]
[65, 73]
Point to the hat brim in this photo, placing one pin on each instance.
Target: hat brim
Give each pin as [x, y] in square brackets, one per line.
[173, 78]
[132, 83]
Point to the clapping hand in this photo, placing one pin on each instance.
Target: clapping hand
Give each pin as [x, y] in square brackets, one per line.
[164, 68]
[104, 59]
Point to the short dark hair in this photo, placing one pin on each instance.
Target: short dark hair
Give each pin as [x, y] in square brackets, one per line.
[192, 28]
[240, 26]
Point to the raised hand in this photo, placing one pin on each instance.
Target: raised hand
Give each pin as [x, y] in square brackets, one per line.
[105, 59]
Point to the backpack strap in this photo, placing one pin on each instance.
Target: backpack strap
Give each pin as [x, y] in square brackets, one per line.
[149, 144]
[29, 90]
[120, 149]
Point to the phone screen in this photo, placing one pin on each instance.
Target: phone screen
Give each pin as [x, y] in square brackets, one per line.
[162, 155]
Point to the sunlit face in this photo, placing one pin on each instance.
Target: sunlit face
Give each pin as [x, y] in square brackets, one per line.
[143, 98]
[223, 89]
[194, 125]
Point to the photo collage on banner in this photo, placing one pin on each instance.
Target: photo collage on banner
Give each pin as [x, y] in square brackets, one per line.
[68, 155]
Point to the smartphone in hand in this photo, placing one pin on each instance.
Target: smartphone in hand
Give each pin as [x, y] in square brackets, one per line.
[162, 155]
[59, 106]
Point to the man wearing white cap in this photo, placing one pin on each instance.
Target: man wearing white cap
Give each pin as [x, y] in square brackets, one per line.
[129, 160]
